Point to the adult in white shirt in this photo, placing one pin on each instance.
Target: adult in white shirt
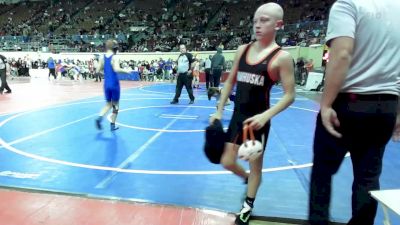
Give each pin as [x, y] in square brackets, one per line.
[96, 65]
[359, 107]
[207, 68]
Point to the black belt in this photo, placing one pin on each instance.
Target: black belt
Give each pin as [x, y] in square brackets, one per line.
[368, 97]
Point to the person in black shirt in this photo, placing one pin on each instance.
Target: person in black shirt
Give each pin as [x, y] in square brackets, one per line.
[217, 66]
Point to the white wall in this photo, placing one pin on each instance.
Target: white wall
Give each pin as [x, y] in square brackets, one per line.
[314, 52]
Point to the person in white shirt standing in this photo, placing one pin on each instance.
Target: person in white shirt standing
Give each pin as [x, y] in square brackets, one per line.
[185, 76]
[96, 65]
[207, 70]
[359, 107]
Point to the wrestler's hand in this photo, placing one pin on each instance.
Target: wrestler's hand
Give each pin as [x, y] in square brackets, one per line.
[258, 121]
[216, 116]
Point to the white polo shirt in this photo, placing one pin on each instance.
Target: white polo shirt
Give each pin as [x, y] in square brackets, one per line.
[208, 64]
[375, 27]
[2, 63]
[184, 62]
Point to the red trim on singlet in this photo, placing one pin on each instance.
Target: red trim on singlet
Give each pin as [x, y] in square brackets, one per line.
[251, 64]
[235, 75]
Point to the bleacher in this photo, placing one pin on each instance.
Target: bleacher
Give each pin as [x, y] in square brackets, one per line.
[160, 25]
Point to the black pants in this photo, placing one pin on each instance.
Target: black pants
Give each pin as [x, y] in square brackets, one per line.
[52, 72]
[209, 79]
[217, 77]
[4, 84]
[184, 79]
[366, 123]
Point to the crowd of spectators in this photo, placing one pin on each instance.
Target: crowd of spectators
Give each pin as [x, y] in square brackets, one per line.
[152, 25]
[154, 70]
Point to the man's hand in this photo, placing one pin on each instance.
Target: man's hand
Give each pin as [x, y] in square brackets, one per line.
[330, 121]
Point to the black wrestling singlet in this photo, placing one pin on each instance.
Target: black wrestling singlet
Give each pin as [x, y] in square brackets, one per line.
[252, 95]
